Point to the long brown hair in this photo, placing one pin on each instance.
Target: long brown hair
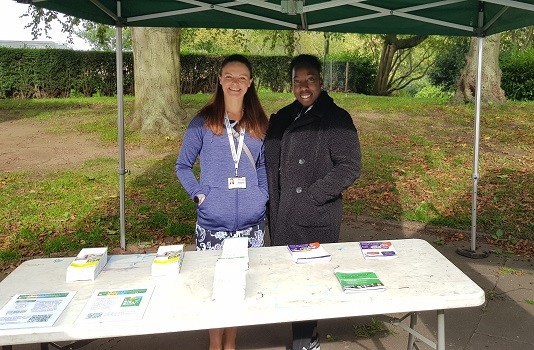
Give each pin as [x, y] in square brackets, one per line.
[254, 118]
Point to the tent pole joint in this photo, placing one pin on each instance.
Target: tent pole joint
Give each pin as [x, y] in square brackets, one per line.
[120, 22]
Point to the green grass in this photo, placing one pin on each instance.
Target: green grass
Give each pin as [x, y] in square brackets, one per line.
[417, 165]
[372, 329]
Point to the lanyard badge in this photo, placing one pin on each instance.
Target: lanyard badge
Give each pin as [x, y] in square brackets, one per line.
[235, 181]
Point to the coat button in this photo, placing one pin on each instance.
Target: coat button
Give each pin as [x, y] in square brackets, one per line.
[302, 161]
[298, 190]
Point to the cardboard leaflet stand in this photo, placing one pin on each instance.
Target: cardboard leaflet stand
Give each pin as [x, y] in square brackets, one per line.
[229, 279]
[87, 264]
[168, 260]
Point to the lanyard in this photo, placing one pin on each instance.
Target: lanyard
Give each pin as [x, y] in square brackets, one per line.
[236, 155]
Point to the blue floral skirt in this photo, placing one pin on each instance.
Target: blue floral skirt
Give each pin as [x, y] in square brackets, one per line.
[213, 240]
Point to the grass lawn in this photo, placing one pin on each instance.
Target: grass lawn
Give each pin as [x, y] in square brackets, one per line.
[417, 165]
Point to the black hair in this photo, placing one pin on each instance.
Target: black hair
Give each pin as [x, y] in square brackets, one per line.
[304, 61]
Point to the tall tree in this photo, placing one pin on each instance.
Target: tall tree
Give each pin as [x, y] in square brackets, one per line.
[102, 37]
[491, 73]
[286, 38]
[157, 106]
[396, 53]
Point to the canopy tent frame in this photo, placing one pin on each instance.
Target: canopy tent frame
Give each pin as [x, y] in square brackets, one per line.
[430, 17]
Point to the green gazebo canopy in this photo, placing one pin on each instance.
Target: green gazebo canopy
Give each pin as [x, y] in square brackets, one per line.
[439, 17]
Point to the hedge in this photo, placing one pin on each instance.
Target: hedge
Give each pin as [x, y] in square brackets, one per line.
[518, 75]
[37, 73]
[34, 73]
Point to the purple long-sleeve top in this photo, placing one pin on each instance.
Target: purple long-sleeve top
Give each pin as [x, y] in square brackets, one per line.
[223, 209]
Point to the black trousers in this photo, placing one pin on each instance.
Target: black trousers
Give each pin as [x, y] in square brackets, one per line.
[303, 333]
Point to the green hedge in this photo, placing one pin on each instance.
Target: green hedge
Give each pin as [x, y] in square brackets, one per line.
[199, 72]
[36, 73]
[518, 75]
[28, 73]
[349, 72]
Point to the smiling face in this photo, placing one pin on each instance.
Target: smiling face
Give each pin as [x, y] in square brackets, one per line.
[306, 85]
[235, 79]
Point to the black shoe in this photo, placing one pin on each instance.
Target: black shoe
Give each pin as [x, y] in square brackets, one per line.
[314, 345]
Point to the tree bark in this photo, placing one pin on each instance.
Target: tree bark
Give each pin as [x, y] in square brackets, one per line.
[491, 91]
[157, 106]
[389, 48]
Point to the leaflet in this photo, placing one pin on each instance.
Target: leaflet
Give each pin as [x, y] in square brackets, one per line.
[378, 250]
[116, 305]
[308, 252]
[34, 310]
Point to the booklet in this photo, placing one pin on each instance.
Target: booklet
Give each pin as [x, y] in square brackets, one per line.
[308, 252]
[378, 250]
[34, 310]
[352, 281]
[87, 264]
[168, 260]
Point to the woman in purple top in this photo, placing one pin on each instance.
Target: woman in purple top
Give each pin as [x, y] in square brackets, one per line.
[231, 195]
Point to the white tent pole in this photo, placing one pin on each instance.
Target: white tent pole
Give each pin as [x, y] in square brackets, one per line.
[120, 124]
[476, 145]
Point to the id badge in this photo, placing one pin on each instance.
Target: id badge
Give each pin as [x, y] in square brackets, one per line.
[237, 182]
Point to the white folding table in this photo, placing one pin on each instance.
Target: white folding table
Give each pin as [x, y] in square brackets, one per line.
[278, 290]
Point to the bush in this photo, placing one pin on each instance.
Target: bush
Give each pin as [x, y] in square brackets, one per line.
[434, 92]
[361, 73]
[34, 73]
[29, 73]
[447, 66]
[518, 75]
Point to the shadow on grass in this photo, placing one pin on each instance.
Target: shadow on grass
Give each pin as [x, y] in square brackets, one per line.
[156, 208]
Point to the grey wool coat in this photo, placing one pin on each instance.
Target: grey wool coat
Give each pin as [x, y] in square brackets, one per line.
[309, 161]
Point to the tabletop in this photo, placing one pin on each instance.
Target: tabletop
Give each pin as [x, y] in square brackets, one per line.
[277, 290]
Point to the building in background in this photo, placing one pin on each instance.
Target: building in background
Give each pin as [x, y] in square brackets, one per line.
[33, 44]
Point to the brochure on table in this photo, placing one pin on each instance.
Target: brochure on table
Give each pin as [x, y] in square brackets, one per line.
[34, 310]
[378, 250]
[308, 252]
[116, 305]
[358, 280]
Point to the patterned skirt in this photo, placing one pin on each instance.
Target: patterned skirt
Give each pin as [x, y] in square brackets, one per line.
[213, 240]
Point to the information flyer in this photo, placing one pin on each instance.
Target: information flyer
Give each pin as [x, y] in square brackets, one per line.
[116, 305]
[34, 310]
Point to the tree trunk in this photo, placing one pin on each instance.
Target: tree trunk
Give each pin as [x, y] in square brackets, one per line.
[157, 107]
[384, 67]
[491, 91]
[392, 44]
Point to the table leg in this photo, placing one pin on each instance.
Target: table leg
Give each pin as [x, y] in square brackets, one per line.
[411, 337]
[441, 330]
